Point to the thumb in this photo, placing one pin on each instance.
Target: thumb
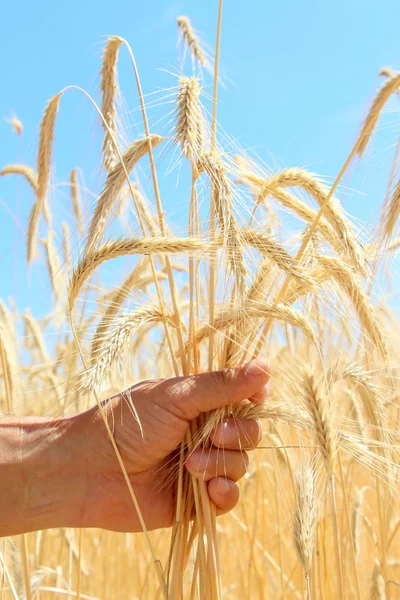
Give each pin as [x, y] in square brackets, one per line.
[190, 396]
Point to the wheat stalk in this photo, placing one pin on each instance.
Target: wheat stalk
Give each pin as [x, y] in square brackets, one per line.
[344, 277]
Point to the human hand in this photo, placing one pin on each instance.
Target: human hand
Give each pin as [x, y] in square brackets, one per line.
[165, 409]
[64, 473]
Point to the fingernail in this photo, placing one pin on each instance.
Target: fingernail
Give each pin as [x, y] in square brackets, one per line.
[196, 462]
[225, 434]
[223, 486]
[263, 394]
[258, 368]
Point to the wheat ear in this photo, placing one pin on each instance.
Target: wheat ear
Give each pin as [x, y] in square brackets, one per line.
[345, 278]
[76, 200]
[109, 89]
[113, 345]
[189, 125]
[191, 40]
[390, 86]
[377, 590]
[305, 517]
[256, 310]
[129, 246]
[53, 266]
[46, 139]
[212, 164]
[113, 186]
[23, 170]
[295, 177]
[114, 305]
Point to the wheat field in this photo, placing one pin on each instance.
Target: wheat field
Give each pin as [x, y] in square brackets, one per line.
[254, 262]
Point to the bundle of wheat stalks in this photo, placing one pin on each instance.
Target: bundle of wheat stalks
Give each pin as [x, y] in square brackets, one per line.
[319, 512]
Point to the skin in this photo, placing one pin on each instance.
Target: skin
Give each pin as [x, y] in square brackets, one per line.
[65, 474]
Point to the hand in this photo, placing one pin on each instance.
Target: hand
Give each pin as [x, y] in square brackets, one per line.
[65, 473]
[165, 408]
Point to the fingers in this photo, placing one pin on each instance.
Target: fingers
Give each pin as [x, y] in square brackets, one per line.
[187, 397]
[237, 434]
[209, 463]
[224, 493]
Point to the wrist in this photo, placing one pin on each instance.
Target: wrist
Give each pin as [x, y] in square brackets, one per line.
[43, 464]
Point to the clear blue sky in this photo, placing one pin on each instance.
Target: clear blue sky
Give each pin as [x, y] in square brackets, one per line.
[299, 78]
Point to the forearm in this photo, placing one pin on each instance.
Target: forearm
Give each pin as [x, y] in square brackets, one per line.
[43, 477]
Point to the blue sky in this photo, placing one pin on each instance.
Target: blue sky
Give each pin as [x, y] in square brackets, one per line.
[298, 78]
